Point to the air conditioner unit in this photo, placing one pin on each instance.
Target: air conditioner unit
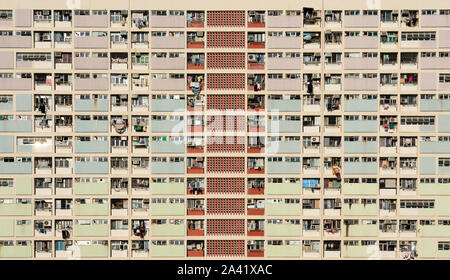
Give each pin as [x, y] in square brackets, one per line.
[19, 159]
[315, 139]
[200, 34]
[59, 180]
[58, 54]
[135, 246]
[46, 223]
[251, 57]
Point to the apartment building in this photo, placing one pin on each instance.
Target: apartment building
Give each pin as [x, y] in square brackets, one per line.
[237, 130]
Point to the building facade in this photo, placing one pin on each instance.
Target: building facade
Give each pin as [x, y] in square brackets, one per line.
[246, 129]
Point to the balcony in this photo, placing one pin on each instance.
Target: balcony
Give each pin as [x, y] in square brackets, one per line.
[91, 84]
[284, 42]
[91, 42]
[283, 168]
[6, 18]
[168, 167]
[360, 168]
[167, 63]
[90, 20]
[167, 42]
[90, 63]
[91, 168]
[168, 188]
[284, 63]
[284, 21]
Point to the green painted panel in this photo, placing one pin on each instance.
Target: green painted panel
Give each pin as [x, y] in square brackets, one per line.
[6, 228]
[24, 230]
[15, 209]
[171, 251]
[16, 252]
[94, 209]
[97, 230]
[167, 188]
[283, 230]
[360, 210]
[282, 209]
[434, 231]
[283, 188]
[443, 206]
[24, 185]
[167, 230]
[360, 188]
[91, 188]
[163, 209]
[93, 251]
[362, 230]
[434, 189]
[427, 249]
[283, 251]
